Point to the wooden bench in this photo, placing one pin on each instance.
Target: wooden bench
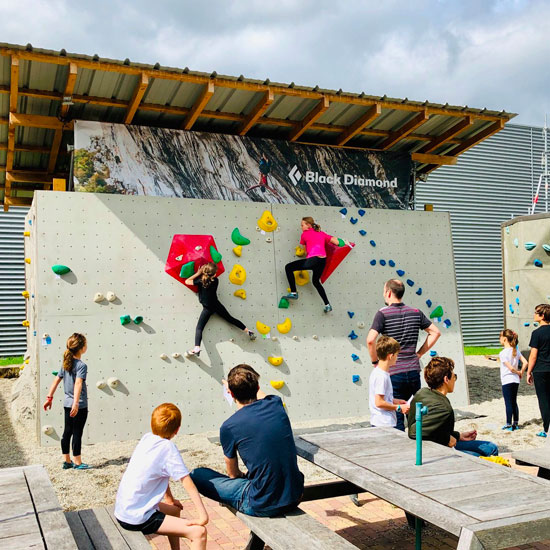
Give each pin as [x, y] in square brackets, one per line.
[31, 516]
[535, 457]
[98, 529]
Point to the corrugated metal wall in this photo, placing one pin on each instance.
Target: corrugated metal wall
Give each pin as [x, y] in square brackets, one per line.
[13, 336]
[490, 184]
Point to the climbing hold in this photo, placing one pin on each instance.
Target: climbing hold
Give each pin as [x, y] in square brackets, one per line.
[355, 357]
[351, 314]
[241, 293]
[111, 296]
[262, 329]
[400, 272]
[176, 355]
[546, 247]
[300, 251]
[382, 262]
[410, 282]
[125, 319]
[355, 378]
[525, 324]
[429, 303]
[25, 294]
[419, 291]
[267, 222]
[372, 243]
[315, 337]
[295, 338]
[268, 239]
[301, 277]
[507, 230]
[60, 269]
[237, 275]
[163, 356]
[275, 361]
[447, 323]
[343, 211]
[537, 263]
[98, 297]
[362, 232]
[239, 239]
[391, 263]
[283, 303]
[26, 233]
[54, 372]
[517, 301]
[511, 308]
[517, 287]
[277, 384]
[285, 326]
[530, 245]
[28, 261]
[187, 270]
[373, 262]
[100, 384]
[361, 212]
[48, 430]
[26, 323]
[113, 382]
[535, 324]
[232, 340]
[433, 353]
[516, 243]
[179, 258]
[274, 339]
[352, 335]
[238, 250]
[353, 220]
[138, 320]
[437, 312]
[360, 324]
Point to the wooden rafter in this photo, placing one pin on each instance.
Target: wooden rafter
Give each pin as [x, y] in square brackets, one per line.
[310, 118]
[200, 104]
[258, 110]
[39, 121]
[69, 86]
[26, 148]
[14, 88]
[29, 176]
[14, 83]
[373, 112]
[476, 138]
[137, 96]
[460, 126]
[54, 152]
[426, 158]
[405, 130]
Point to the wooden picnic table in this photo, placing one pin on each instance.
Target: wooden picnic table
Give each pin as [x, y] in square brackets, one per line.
[486, 505]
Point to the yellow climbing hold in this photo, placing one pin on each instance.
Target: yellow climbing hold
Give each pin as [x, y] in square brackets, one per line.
[302, 277]
[237, 275]
[275, 361]
[277, 384]
[497, 460]
[285, 327]
[26, 323]
[26, 233]
[267, 222]
[238, 250]
[25, 294]
[300, 250]
[241, 293]
[27, 260]
[262, 329]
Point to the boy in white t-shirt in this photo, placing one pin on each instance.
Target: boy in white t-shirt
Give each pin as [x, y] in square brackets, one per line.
[382, 405]
[145, 483]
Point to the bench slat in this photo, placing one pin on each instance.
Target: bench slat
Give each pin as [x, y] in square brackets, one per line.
[100, 528]
[534, 457]
[83, 541]
[135, 539]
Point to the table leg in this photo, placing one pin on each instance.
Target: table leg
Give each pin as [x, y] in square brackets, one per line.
[468, 541]
[254, 543]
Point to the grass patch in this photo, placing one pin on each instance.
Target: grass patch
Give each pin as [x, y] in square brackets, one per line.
[6, 361]
[479, 350]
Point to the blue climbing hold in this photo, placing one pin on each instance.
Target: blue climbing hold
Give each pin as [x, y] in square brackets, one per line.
[372, 243]
[419, 291]
[400, 272]
[410, 282]
[351, 314]
[447, 323]
[517, 287]
[353, 220]
[507, 230]
[517, 301]
[391, 263]
[535, 324]
[355, 357]
[433, 353]
[343, 211]
[361, 212]
[429, 303]
[382, 262]
[525, 324]
[355, 378]
[546, 247]
[362, 232]
[373, 262]
[516, 243]
[30, 222]
[537, 263]
[352, 335]
[511, 308]
[530, 245]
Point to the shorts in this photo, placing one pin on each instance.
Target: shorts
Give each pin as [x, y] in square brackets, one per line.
[148, 527]
[263, 179]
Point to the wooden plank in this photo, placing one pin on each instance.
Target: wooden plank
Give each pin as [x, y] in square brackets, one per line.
[72, 73]
[100, 528]
[445, 137]
[372, 113]
[23, 542]
[405, 130]
[39, 121]
[451, 480]
[20, 505]
[200, 104]
[15, 527]
[54, 152]
[477, 138]
[534, 457]
[135, 539]
[14, 83]
[329, 489]
[259, 109]
[80, 535]
[425, 158]
[137, 96]
[41, 489]
[309, 119]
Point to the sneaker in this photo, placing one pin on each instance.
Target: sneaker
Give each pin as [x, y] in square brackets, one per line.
[516, 427]
[542, 434]
[193, 353]
[251, 335]
[508, 428]
[291, 296]
[355, 500]
[68, 465]
[327, 308]
[81, 466]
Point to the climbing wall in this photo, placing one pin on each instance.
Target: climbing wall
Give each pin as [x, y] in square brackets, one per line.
[526, 268]
[120, 244]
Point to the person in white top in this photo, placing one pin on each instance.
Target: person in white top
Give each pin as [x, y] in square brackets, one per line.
[145, 484]
[510, 376]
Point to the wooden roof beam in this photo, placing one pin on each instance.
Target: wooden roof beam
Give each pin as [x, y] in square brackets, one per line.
[466, 122]
[310, 118]
[39, 121]
[425, 158]
[69, 86]
[137, 96]
[14, 83]
[198, 107]
[54, 152]
[476, 138]
[29, 176]
[372, 113]
[259, 109]
[405, 130]
[26, 148]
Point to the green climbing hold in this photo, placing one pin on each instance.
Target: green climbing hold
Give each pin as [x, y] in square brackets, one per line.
[55, 372]
[125, 319]
[187, 270]
[238, 239]
[283, 303]
[341, 242]
[138, 320]
[215, 255]
[436, 313]
[59, 269]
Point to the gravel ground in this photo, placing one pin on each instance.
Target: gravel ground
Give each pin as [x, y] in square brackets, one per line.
[97, 487]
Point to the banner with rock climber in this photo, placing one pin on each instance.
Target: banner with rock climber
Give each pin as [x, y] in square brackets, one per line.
[139, 160]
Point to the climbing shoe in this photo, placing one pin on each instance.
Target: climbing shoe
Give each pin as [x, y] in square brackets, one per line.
[251, 335]
[508, 428]
[81, 466]
[542, 434]
[327, 308]
[193, 353]
[68, 465]
[291, 296]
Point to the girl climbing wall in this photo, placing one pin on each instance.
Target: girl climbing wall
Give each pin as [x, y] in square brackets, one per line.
[315, 242]
[207, 283]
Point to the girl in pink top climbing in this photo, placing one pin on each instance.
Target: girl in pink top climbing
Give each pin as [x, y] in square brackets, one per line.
[315, 242]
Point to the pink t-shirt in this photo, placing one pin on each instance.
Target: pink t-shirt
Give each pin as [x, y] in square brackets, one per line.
[315, 242]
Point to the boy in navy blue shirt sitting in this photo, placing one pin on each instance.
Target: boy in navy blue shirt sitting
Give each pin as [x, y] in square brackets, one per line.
[260, 432]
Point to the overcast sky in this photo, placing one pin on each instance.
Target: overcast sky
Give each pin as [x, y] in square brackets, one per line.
[480, 53]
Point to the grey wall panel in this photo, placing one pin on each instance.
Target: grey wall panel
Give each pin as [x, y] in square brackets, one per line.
[490, 184]
[13, 336]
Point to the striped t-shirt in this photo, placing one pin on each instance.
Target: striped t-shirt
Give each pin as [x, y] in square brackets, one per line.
[403, 323]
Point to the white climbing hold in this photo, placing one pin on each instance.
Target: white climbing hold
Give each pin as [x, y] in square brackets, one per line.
[113, 382]
[98, 297]
[48, 430]
[360, 324]
[258, 228]
[274, 338]
[111, 296]
[268, 239]
[179, 258]
[100, 384]
[315, 337]
[45, 335]
[198, 247]
[231, 339]
[175, 355]
[163, 356]
[295, 337]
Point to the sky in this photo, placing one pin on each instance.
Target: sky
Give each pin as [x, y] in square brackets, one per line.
[480, 53]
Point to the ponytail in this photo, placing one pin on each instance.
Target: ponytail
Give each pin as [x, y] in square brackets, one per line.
[75, 343]
[309, 220]
[208, 274]
[512, 339]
